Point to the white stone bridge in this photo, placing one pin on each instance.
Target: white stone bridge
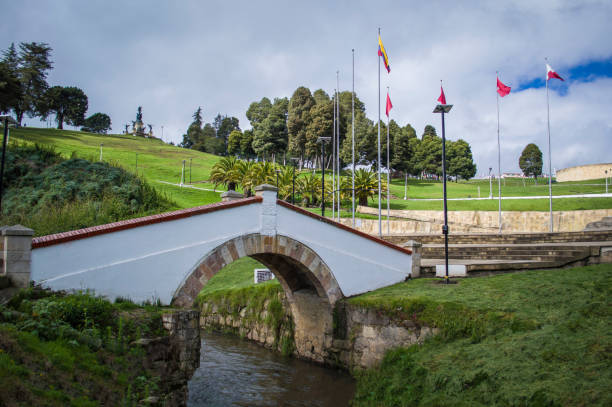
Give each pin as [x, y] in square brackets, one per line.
[171, 256]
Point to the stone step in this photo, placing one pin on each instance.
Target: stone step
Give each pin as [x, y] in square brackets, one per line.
[521, 238]
[474, 269]
[538, 257]
[432, 252]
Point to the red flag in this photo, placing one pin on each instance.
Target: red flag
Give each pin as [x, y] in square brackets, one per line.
[502, 89]
[389, 105]
[442, 98]
[550, 73]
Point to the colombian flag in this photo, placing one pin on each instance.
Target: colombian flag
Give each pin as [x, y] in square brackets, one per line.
[383, 54]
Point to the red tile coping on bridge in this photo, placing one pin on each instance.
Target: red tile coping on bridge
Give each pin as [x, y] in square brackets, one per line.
[57, 238]
[341, 226]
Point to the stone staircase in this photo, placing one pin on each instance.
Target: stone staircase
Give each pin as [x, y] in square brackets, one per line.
[477, 254]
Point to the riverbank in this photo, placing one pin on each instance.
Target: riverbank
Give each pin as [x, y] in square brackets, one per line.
[81, 350]
[516, 339]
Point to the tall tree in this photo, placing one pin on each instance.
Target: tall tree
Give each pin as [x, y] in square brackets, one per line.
[320, 96]
[270, 137]
[530, 160]
[9, 88]
[246, 144]
[227, 125]
[197, 117]
[404, 149]
[429, 131]
[298, 118]
[429, 154]
[97, 123]
[30, 68]
[68, 103]
[233, 142]
[320, 125]
[460, 161]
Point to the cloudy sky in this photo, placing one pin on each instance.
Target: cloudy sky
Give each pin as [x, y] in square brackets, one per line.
[173, 56]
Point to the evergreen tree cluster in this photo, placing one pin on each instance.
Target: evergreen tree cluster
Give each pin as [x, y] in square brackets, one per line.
[289, 128]
[24, 90]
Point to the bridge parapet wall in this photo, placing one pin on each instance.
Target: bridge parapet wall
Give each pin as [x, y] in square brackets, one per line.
[171, 256]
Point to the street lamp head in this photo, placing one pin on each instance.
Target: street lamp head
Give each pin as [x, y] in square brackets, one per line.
[323, 139]
[443, 108]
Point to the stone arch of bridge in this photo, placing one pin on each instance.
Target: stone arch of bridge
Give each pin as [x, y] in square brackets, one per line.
[296, 266]
[309, 285]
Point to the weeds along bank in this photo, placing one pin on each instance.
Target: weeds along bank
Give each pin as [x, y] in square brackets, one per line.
[533, 338]
[50, 194]
[81, 350]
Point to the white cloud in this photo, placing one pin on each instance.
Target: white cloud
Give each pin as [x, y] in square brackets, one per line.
[173, 57]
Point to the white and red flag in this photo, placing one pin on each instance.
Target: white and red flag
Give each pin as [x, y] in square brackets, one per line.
[502, 89]
[550, 73]
[442, 98]
[389, 105]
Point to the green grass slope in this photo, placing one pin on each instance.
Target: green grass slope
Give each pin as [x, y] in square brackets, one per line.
[75, 350]
[538, 338]
[50, 194]
[160, 164]
[157, 161]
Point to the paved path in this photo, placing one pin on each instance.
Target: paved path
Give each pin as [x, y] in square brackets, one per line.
[609, 195]
[190, 186]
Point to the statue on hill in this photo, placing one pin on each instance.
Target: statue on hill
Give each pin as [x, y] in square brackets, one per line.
[138, 127]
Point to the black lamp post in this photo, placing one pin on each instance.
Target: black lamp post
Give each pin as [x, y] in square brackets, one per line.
[323, 140]
[190, 170]
[444, 109]
[277, 171]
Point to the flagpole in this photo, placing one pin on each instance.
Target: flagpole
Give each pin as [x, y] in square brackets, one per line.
[498, 163]
[388, 175]
[338, 141]
[353, 134]
[378, 161]
[549, 159]
[334, 159]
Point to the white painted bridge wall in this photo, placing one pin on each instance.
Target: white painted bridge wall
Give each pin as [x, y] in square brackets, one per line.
[150, 262]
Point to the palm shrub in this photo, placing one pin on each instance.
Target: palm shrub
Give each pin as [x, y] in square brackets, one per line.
[262, 173]
[366, 185]
[309, 188]
[225, 172]
[285, 182]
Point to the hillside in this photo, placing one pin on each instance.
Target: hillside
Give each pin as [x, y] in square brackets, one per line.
[50, 194]
[160, 164]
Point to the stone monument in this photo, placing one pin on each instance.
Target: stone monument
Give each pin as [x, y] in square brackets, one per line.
[138, 127]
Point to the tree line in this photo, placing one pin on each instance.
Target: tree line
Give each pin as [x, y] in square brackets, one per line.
[24, 90]
[290, 127]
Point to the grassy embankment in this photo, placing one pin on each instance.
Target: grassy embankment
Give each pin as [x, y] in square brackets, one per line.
[75, 350]
[50, 194]
[158, 161]
[538, 338]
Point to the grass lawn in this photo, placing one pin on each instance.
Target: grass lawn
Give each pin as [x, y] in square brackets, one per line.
[533, 338]
[536, 338]
[158, 161]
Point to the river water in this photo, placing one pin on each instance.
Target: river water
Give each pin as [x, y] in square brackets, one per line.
[235, 372]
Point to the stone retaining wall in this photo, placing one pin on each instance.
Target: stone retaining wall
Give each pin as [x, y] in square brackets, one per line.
[174, 358]
[415, 222]
[360, 336]
[584, 172]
